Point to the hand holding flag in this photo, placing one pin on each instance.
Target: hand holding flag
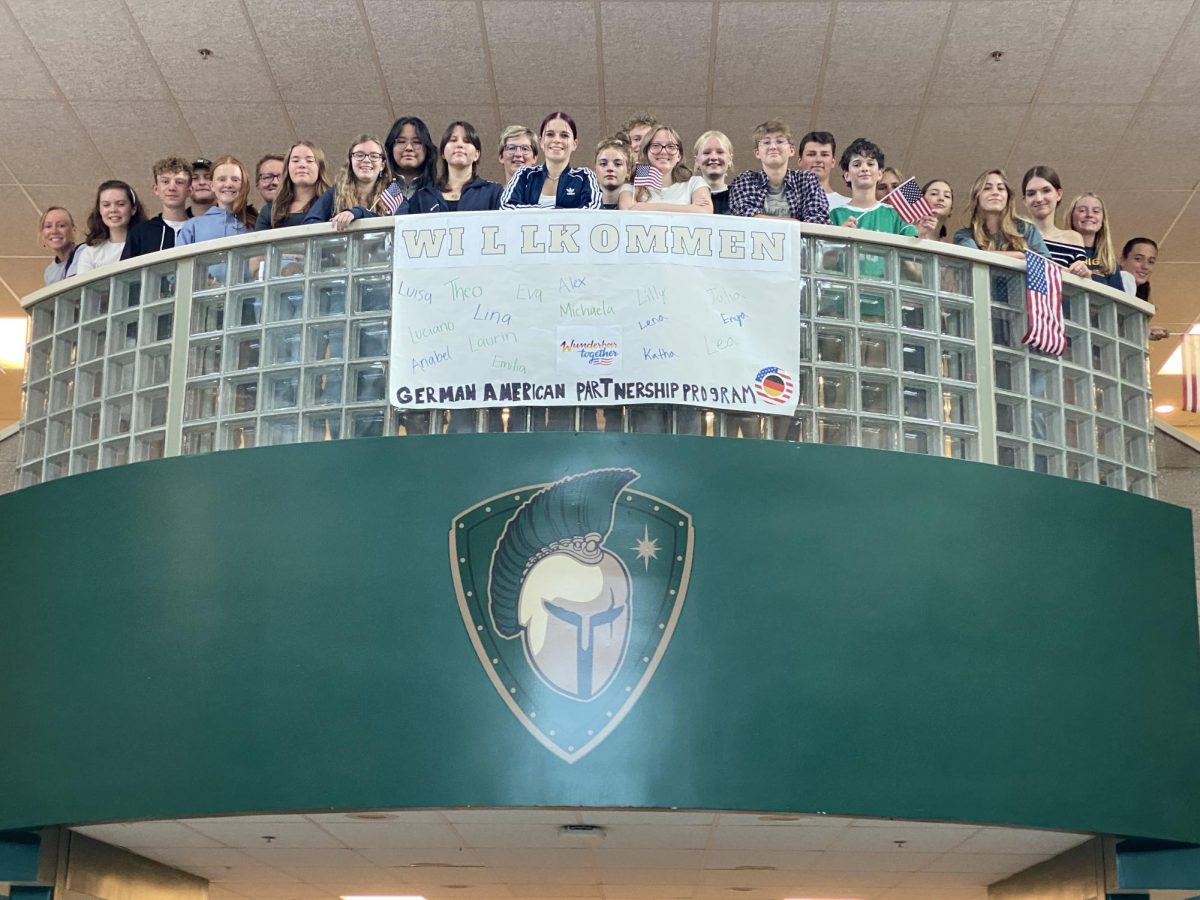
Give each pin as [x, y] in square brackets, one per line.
[909, 203]
[647, 176]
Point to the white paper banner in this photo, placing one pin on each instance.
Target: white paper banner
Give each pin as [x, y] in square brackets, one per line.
[562, 308]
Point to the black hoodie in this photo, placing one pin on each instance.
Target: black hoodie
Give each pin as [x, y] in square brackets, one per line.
[149, 237]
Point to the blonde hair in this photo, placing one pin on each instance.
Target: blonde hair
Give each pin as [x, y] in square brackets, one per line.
[345, 189]
[772, 126]
[1105, 260]
[720, 136]
[513, 131]
[682, 171]
[242, 210]
[1009, 236]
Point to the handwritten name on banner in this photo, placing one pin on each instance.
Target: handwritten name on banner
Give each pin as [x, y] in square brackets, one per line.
[558, 308]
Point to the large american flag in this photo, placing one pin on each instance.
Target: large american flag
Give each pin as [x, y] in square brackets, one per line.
[1191, 372]
[908, 201]
[647, 176]
[1043, 294]
[392, 197]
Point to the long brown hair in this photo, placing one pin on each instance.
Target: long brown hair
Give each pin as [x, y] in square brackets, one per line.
[241, 211]
[345, 189]
[287, 188]
[1009, 236]
[679, 175]
[97, 231]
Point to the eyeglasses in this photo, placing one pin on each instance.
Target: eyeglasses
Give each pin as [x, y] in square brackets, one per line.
[513, 148]
[403, 142]
[776, 142]
[268, 177]
[363, 157]
[656, 147]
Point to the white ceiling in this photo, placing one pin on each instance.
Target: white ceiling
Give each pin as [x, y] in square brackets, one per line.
[1107, 91]
[492, 854]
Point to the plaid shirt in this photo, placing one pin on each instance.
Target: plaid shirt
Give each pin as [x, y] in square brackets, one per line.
[802, 190]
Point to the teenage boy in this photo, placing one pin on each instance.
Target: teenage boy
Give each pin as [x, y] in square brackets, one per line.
[818, 154]
[636, 130]
[714, 161]
[862, 167]
[777, 191]
[202, 194]
[518, 148]
[613, 167]
[172, 183]
[268, 176]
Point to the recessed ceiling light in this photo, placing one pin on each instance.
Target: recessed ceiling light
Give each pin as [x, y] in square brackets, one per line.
[12, 342]
[370, 816]
[1164, 408]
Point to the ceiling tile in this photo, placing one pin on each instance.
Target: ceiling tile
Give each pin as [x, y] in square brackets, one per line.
[689, 121]
[1183, 243]
[856, 72]
[901, 893]
[648, 817]
[901, 839]
[268, 835]
[557, 890]
[653, 837]
[530, 66]
[752, 838]
[1102, 56]
[658, 56]
[236, 71]
[107, 123]
[541, 858]
[292, 859]
[1013, 840]
[22, 75]
[20, 238]
[968, 74]
[1140, 213]
[984, 862]
[52, 148]
[362, 835]
[1178, 79]
[1161, 152]
[247, 130]
[446, 64]
[401, 857]
[858, 861]
[490, 835]
[327, 28]
[949, 879]
[1051, 138]
[890, 127]
[514, 816]
[958, 143]
[748, 33]
[123, 69]
[22, 277]
[790, 860]
[398, 816]
[665, 854]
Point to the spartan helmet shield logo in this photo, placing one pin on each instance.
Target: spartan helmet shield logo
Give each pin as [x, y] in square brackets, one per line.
[570, 592]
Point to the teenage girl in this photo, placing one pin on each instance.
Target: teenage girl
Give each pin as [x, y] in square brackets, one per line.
[116, 211]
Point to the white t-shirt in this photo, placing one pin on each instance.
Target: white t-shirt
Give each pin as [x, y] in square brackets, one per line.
[1128, 282]
[175, 226]
[94, 257]
[546, 201]
[680, 194]
[836, 200]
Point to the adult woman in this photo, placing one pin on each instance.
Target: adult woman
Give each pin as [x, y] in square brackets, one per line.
[518, 148]
[413, 157]
[56, 229]
[457, 188]
[681, 191]
[358, 189]
[304, 180]
[713, 156]
[231, 215]
[1138, 257]
[554, 184]
[1042, 192]
[116, 210]
[1086, 215]
[993, 220]
[940, 197]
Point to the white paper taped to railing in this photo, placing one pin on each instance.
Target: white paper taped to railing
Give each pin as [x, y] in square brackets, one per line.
[563, 308]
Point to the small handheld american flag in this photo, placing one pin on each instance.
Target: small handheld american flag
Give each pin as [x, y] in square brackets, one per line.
[908, 201]
[647, 176]
[1043, 294]
[392, 197]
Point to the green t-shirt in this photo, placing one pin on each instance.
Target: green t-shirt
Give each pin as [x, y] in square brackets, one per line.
[877, 218]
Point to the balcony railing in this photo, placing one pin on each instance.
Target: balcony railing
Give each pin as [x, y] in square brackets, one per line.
[282, 337]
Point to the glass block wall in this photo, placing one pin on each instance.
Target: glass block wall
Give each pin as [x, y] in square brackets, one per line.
[277, 342]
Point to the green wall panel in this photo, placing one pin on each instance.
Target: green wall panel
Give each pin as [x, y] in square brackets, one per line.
[864, 633]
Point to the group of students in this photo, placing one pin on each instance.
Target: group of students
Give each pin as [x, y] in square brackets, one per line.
[642, 168]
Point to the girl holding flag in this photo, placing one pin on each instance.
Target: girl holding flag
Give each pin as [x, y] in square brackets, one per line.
[359, 189]
[662, 181]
